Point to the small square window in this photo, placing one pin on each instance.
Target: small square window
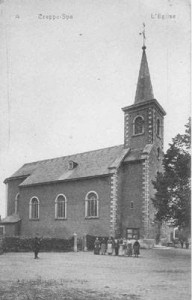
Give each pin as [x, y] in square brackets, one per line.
[133, 233]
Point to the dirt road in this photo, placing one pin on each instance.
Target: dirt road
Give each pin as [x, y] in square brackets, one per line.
[158, 274]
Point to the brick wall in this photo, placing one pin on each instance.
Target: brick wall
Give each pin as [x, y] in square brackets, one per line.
[75, 192]
[13, 190]
[132, 191]
[10, 229]
[138, 185]
[155, 165]
[137, 141]
[150, 114]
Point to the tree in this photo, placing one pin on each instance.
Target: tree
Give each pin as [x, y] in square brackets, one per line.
[172, 199]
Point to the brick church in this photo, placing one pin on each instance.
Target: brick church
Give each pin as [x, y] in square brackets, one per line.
[104, 192]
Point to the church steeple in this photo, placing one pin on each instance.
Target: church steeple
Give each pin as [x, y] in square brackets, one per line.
[144, 89]
[144, 119]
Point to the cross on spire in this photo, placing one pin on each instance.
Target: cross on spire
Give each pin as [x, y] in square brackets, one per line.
[144, 91]
[144, 37]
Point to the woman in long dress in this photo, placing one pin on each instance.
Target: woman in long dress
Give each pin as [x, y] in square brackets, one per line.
[103, 247]
[121, 247]
[97, 246]
[110, 246]
[129, 248]
[136, 248]
[124, 246]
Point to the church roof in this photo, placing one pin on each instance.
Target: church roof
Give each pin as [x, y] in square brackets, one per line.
[144, 89]
[88, 164]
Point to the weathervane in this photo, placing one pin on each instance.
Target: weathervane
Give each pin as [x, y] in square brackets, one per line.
[143, 34]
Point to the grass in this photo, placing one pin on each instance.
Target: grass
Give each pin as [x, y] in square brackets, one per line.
[54, 290]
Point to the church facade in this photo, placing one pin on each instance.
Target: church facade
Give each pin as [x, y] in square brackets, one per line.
[105, 192]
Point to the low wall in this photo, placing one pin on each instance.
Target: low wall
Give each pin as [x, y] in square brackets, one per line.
[147, 243]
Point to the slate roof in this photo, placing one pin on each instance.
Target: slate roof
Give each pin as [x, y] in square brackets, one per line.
[10, 219]
[138, 154]
[89, 164]
[134, 154]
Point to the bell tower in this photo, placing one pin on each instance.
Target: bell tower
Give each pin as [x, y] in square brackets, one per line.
[143, 136]
[143, 121]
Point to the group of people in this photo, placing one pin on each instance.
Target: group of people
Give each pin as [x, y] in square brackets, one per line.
[118, 247]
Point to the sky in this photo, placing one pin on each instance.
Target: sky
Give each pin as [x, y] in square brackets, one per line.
[68, 67]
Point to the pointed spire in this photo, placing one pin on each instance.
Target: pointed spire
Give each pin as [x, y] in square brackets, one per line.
[144, 90]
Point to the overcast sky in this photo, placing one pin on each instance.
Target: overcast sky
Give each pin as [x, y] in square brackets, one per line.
[64, 80]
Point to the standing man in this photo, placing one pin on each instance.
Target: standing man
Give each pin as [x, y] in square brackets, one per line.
[36, 247]
[116, 246]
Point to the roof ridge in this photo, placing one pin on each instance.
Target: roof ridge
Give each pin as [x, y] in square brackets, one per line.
[44, 160]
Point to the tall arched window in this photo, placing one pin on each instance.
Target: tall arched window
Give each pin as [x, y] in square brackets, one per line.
[92, 205]
[138, 125]
[158, 127]
[61, 207]
[34, 208]
[17, 203]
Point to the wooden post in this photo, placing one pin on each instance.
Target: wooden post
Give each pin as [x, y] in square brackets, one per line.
[85, 243]
[1, 245]
[75, 242]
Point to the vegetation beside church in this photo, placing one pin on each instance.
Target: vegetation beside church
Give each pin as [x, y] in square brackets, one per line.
[173, 191]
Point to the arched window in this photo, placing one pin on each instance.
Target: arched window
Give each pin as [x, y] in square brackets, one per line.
[138, 125]
[131, 204]
[158, 127]
[34, 208]
[17, 203]
[61, 207]
[92, 205]
[158, 153]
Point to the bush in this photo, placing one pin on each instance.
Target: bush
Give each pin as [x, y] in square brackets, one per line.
[25, 244]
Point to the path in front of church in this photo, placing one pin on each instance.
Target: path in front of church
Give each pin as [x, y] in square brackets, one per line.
[158, 274]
